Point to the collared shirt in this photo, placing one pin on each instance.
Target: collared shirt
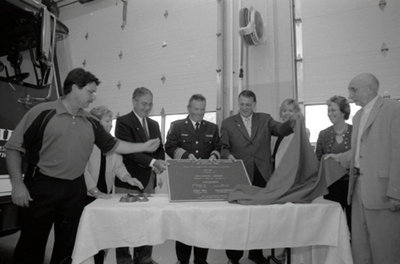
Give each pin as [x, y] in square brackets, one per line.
[366, 110]
[194, 123]
[67, 140]
[247, 123]
[140, 119]
[146, 128]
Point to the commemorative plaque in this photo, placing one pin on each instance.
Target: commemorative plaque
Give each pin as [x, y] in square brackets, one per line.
[204, 180]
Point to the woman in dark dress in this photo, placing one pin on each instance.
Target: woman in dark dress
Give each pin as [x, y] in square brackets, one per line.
[337, 139]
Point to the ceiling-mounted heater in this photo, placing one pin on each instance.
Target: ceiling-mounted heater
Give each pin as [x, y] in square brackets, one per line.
[251, 26]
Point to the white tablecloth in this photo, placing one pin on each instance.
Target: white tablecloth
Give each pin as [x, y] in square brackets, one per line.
[216, 225]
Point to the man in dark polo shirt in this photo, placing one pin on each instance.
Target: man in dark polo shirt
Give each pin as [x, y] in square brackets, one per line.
[193, 138]
[56, 139]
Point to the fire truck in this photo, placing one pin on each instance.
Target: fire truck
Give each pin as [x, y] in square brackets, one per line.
[29, 75]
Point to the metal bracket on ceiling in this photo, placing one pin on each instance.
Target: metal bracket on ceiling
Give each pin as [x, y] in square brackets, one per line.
[298, 21]
[384, 49]
[382, 4]
[124, 13]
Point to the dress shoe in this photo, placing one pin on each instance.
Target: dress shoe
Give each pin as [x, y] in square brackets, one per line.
[231, 261]
[151, 261]
[259, 260]
[125, 261]
[281, 257]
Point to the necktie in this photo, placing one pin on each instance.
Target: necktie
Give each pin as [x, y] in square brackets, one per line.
[197, 126]
[101, 182]
[247, 124]
[144, 124]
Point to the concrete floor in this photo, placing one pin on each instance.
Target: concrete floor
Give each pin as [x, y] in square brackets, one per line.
[163, 254]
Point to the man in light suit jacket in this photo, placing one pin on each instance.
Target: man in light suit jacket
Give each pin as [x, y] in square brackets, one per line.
[136, 126]
[374, 187]
[247, 136]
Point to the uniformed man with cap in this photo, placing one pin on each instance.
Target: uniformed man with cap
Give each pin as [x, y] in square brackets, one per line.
[193, 138]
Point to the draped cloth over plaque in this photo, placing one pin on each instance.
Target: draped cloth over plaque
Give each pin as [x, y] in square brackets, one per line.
[331, 170]
[295, 180]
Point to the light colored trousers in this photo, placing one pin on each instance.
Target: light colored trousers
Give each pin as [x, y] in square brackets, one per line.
[375, 233]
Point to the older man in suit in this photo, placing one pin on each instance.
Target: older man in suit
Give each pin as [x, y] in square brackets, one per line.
[247, 136]
[136, 126]
[374, 187]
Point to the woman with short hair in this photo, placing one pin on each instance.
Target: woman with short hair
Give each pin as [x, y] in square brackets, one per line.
[99, 179]
[101, 169]
[337, 139]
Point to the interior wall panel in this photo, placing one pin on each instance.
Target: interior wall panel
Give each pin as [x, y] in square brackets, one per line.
[343, 38]
[188, 60]
[268, 67]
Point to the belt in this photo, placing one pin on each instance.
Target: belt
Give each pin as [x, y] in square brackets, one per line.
[356, 171]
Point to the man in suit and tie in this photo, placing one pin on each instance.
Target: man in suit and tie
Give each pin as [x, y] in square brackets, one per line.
[136, 126]
[374, 186]
[247, 136]
[193, 138]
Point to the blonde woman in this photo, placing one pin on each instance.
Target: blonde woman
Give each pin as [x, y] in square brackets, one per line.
[288, 108]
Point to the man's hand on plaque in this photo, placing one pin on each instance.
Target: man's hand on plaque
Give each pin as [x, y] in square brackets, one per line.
[212, 157]
[156, 171]
[231, 158]
[159, 166]
[192, 157]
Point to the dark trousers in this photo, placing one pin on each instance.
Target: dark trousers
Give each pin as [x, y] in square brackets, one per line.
[99, 257]
[55, 201]
[183, 253]
[140, 255]
[235, 255]
[338, 193]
